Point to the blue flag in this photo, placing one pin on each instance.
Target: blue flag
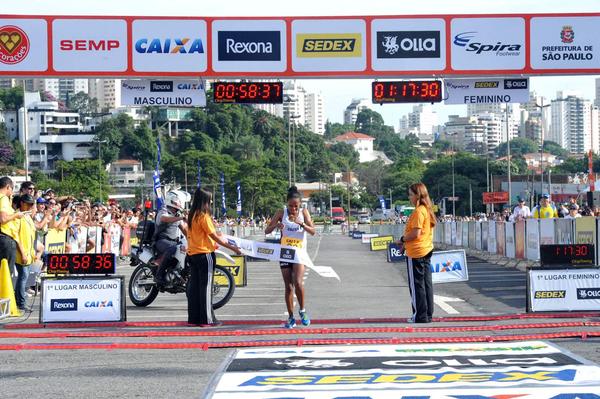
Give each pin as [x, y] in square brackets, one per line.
[223, 204]
[382, 202]
[198, 183]
[239, 198]
[156, 177]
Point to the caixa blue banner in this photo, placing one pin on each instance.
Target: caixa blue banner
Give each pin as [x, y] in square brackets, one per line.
[395, 253]
[449, 266]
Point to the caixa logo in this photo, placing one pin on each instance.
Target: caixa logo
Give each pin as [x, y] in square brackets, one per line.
[169, 46]
[443, 267]
[469, 41]
[99, 304]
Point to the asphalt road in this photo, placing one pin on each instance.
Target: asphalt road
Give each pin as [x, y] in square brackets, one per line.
[369, 287]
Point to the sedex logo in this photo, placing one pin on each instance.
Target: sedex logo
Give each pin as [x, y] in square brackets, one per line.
[249, 45]
[408, 44]
[469, 41]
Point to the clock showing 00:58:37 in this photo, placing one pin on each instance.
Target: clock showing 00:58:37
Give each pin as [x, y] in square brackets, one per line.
[81, 264]
[410, 91]
[248, 92]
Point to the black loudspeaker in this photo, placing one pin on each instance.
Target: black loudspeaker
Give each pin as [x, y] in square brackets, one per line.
[593, 198]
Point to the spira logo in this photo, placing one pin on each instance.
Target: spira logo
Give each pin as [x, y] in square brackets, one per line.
[468, 41]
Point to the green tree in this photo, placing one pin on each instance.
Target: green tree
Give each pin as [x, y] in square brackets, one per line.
[11, 99]
[332, 130]
[83, 103]
[82, 178]
[110, 133]
[518, 146]
[555, 149]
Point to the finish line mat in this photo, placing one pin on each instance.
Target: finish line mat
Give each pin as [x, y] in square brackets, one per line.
[527, 370]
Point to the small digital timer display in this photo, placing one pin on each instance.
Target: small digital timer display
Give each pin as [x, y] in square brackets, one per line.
[248, 92]
[567, 254]
[412, 91]
[81, 264]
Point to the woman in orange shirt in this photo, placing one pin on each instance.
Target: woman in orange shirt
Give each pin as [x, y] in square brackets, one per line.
[202, 240]
[418, 243]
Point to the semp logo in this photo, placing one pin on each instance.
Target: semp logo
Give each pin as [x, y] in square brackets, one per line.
[469, 41]
[89, 45]
[408, 44]
[63, 305]
[14, 44]
[99, 304]
[329, 45]
[161, 86]
[169, 46]
[249, 45]
[550, 294]
[588, 293]
[515, 84]
[287, 253]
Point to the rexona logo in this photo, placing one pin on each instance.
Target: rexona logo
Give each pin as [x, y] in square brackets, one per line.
[469, 41]
[408, 44]
[329, 45]
[160, 86]
[63, 305]
[89, 45]
[169, 46]
[550, 294]
[588, 293]
[14, 44]
[249, 45]
[99, 304]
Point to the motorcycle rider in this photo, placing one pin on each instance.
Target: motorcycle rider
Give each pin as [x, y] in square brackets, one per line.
[169, 222]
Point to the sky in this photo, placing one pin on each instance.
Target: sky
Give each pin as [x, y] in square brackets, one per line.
[337, 93]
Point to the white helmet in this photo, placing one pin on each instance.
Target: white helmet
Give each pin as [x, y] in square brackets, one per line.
[177, 199]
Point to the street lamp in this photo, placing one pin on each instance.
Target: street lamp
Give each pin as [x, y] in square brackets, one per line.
[541, 107]
[100, 142]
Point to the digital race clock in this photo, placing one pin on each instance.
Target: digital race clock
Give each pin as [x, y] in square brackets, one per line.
[81, 264]
[412, 91]
[567, 254]
[248, 92]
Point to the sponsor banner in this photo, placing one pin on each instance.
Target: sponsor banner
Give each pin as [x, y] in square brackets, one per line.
[448, 233]
[492, 237]
[478, 236]
[485, 230]
[329, 45]
[465, 234]
[547, 230]
[408, 44]
[357, 235]
[380, 243]
[169, 45]
[563, 231]
[585, 230]
[453, 233]
[243, 45]
[499, 197]
[82, 299]
[487, 91]
[533, 238]
[237, 270]
[564, 290]
[395, 253]
[471, 232]
[565, 43]
[23, 45]
[366, 238]
[509, 239]
[54, 241]
[487, 43]
[89, 45]
[500, 238]
[520, 239]
[95, 239]
[458, 238]
[177, 93]
[449, 266]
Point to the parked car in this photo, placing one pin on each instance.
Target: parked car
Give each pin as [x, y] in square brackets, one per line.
[338, 215]
[364, 218]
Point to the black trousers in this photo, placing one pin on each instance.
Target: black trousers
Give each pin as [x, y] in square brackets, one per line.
[421, 287]
[8, 251]
[199, 289]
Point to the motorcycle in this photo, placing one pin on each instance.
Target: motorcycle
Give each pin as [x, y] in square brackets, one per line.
[143, 289]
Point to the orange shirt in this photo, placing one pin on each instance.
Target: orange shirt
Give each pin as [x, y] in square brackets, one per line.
[199, 241]
[420, 247]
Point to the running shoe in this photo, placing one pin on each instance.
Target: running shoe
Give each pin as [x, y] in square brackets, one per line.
[305, 319]
[290, 323]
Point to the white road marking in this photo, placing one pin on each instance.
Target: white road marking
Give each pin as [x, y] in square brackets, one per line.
[441, 302]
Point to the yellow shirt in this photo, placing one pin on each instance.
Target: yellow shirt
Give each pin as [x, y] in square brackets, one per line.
[199, 241]
[420, 247]
[11, 228]
[545, 212]
[26, 239]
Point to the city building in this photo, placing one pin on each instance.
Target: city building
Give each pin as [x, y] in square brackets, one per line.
[304, 108]
[597, 98]
[351, 112]
[315, 119]
[294, 102]
[421, 122]
[363, 144]
[572, 124]
[107, 92]
[126, 173]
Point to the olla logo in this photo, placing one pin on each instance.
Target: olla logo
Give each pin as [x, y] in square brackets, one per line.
[14, 44]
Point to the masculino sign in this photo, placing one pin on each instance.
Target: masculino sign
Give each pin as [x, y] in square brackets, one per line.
[487, 91]
[82, 299]
[179, 93]
[449, 266]
[563, 290]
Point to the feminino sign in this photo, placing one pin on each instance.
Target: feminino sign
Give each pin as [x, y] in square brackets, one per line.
[487, 91]
[177, 93]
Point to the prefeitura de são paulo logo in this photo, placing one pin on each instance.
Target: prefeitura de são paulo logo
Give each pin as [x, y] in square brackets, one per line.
[567, 35]
[14, 44]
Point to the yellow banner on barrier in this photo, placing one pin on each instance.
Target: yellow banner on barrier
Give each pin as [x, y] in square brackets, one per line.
[55, 241]
[381, 243]
[238, 270]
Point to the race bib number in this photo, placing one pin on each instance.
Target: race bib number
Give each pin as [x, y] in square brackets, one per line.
[291, 242]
